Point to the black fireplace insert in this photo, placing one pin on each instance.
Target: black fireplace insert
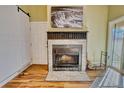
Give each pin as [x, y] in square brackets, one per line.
[67, 57]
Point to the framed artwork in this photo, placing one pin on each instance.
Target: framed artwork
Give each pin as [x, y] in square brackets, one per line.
[66, 17]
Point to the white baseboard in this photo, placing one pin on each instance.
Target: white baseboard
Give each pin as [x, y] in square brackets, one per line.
[14, 75]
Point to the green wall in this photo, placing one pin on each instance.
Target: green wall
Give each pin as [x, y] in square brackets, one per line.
[37, 12]
[116, 11]
[96, 21]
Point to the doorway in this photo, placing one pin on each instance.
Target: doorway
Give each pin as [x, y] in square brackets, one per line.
[115, 43]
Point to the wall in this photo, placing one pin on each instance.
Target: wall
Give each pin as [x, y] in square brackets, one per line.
[95, 18]
[116, 11]
[39, 42]
[96, 21]
[37, 12]
[14, 42]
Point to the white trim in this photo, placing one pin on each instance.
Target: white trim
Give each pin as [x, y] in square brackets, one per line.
[117, 20]
[45, 22]
[105, 76]
[14, 75]
[39, 42]
[61, 42]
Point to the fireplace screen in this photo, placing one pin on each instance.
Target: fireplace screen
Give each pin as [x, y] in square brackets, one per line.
[67, 57]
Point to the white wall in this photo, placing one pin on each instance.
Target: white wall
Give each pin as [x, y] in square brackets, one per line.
[39, 42]
[14, 41]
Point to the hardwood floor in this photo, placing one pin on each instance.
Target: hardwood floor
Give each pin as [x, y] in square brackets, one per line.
[34, 77]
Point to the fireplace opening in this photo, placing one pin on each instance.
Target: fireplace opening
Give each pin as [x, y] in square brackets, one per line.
[67, 57]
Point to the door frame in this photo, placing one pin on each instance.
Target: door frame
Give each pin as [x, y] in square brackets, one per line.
[110, 43]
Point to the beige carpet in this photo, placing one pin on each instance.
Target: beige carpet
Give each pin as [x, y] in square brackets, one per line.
[67, 76]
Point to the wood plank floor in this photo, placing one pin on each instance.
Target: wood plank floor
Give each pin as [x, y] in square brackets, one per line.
[34, 77]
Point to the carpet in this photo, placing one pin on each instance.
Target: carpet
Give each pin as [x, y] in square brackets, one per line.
[67, 76]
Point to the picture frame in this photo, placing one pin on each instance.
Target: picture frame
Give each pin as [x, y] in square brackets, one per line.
[65, 18]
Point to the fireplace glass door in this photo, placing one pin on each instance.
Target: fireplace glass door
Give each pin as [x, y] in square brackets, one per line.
[67, 57]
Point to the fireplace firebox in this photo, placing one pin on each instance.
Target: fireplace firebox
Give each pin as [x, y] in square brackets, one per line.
[67, 57]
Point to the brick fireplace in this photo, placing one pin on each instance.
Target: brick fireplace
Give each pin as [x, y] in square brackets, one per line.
[67, 51]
